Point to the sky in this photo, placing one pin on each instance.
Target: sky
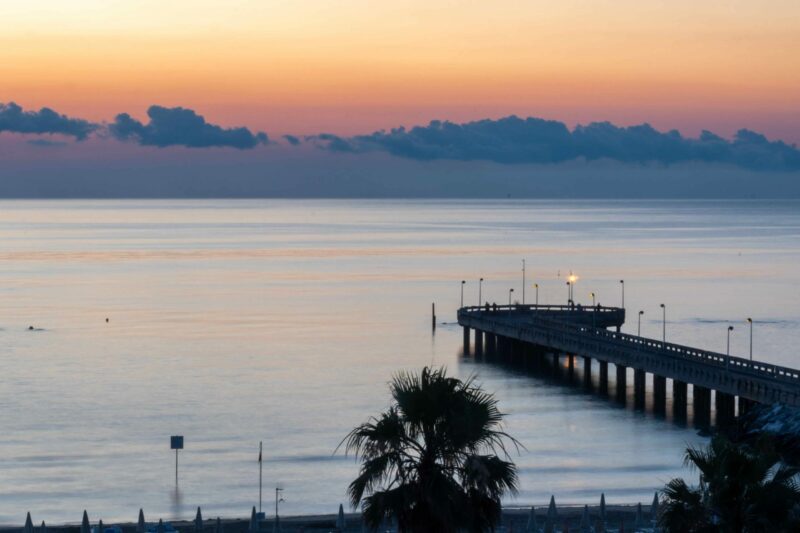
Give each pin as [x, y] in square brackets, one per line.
[355, 67]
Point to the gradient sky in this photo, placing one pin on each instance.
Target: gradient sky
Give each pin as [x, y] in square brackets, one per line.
[353, 66]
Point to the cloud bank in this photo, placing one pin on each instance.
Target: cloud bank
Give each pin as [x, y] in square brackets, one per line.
[178, 126]
[45, 121]
[513, 140]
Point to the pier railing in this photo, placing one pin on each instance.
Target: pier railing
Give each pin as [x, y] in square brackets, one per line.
[534, 320]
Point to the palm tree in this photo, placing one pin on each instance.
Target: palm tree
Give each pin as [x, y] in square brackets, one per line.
[430, 461]
[742, 489]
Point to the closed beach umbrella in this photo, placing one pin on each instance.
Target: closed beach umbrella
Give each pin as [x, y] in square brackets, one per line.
[100, 526]
[85, 523]
[639, 524]
[160, 528]
[198, 522]
[552, 512]
[340, 524]
[603, 509]
[43, 528]
[585, 527]
[533, 527]
[218, 529]
[28, 524]
[654, 508]
[552, 516]
[140, 527]
[253, 522]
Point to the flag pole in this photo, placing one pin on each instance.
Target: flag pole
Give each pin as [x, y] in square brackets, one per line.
[260, 450]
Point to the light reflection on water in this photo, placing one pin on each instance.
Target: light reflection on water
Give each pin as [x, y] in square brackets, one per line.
[232, 322]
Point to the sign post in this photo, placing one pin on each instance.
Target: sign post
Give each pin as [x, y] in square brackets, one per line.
[176, 443]
[260, 450]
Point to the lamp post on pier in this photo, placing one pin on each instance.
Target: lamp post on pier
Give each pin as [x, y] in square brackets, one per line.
[462, 292]
[750, 321]
[622, 284]
[536, 286]
[480, 286]
[593, 299]
[510, 292]
[664, 324]
[569, 293]
[639, 327]
[728, 349]
[523, 282]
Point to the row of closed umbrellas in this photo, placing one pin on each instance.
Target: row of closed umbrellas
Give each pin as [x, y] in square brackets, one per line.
[141, 525]
[551, 521]
[551, 518]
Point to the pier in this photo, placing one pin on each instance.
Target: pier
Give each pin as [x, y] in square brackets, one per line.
[534, 335]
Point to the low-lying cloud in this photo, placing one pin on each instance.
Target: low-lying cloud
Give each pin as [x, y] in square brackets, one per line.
[512, 140]
[178, 126]
[45, 121]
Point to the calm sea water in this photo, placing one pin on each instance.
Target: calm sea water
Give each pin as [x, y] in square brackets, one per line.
[234, 322]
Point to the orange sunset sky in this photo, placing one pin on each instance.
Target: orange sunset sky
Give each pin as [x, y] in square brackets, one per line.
[353, 66]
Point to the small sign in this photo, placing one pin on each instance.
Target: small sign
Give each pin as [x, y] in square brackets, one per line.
[176, 442]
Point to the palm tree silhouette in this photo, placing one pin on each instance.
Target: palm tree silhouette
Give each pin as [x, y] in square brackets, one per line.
[742, 489]
[430, 461]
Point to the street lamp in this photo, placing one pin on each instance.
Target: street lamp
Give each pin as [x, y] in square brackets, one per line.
[569, 293]
[664, 324]
[536, 286]
[593, 299]
[572, 279]
[523, 282]
[462, 292]
[750, 321]
[728, 350]
[510, 291]
[480, 286]
[639, 328]
[622, 284]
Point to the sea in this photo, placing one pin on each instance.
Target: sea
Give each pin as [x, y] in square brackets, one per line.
[235, 323]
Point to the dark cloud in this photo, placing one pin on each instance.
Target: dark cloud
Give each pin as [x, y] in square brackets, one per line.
[291, 139]
[512, 140]
[46, 143]
[178, 126]
[14, 119]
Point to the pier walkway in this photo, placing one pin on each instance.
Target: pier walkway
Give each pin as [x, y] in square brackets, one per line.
[531, 334]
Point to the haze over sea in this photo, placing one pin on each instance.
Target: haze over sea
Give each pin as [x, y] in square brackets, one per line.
[232, 322]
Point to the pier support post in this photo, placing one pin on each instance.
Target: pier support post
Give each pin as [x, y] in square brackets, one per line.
[603, 378]
[466, 340]
[745, 405]
[659, 394]
[587, 372]
[638, 388]
[570, 366]
[491, 344]
[679, 396]
[556, 368]
[517, 348]
[702, 406]
[622, 383]
[478, 342]
[725, 404]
